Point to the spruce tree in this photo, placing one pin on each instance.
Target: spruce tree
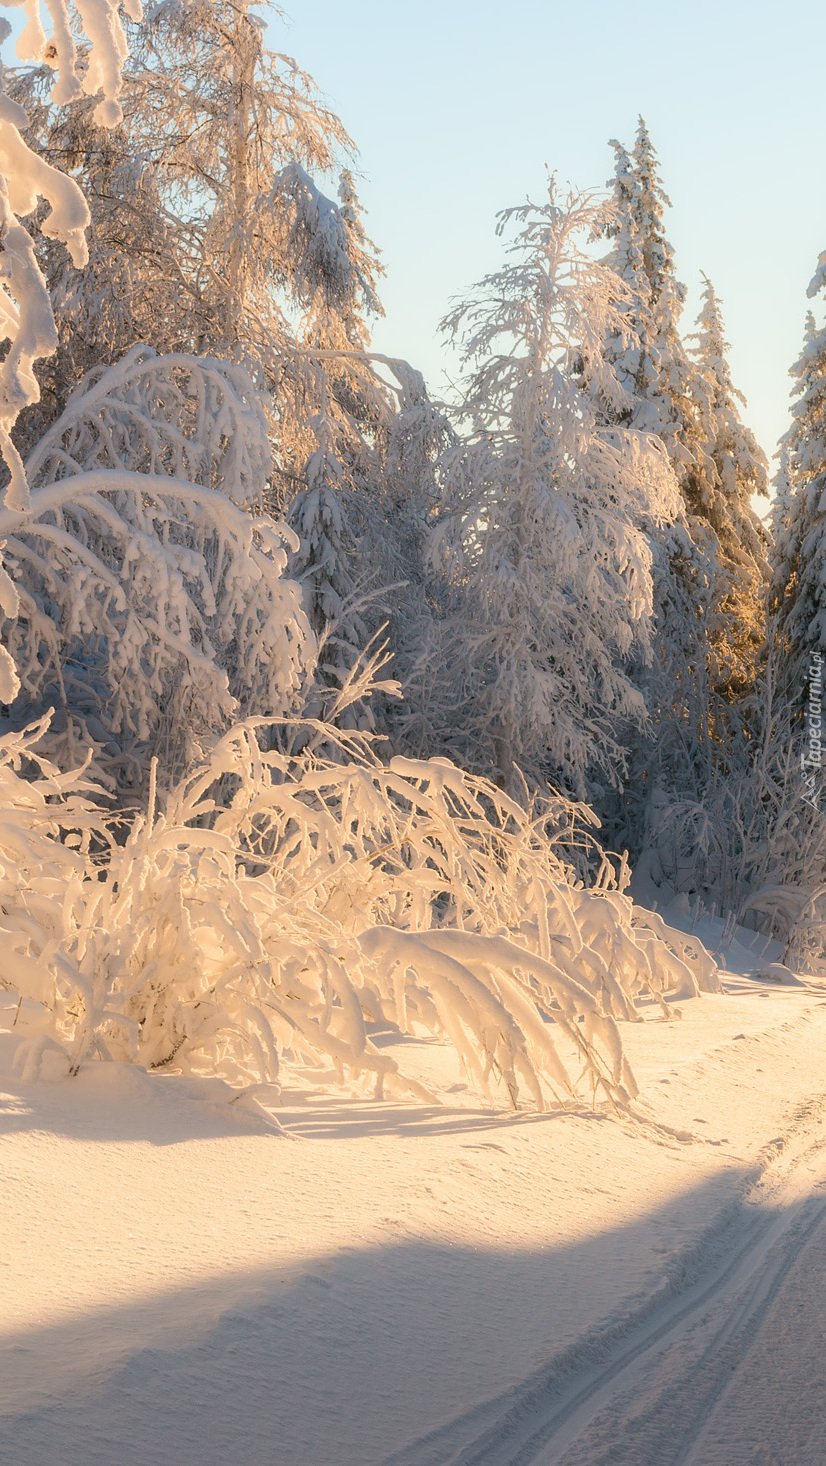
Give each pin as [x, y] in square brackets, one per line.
[648, 353]
[798, 592]
[736, 470]
[740, 464]
[709, 566]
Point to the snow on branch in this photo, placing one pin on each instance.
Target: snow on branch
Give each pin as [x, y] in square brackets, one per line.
[26, 315]
[144, 601]
[99, 71]
[196, 420]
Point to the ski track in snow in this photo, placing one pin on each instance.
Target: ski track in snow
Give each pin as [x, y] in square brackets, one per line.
[650, 1397]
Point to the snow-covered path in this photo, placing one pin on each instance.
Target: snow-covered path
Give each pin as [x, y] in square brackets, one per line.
[425, 1287]
[730, 1371]
[773, 1409]
[698, 1370]
[699, 1397]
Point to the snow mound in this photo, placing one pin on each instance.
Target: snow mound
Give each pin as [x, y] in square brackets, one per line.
[778, 972]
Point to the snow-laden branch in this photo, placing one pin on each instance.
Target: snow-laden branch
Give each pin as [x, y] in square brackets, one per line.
[26, 310]
[145, 602]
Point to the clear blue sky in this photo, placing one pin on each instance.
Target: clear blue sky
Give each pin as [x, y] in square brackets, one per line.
[457, 107]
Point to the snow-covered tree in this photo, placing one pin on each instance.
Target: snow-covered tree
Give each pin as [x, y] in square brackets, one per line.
[662, 394]
[217, 230]
[556, 572]
[710, 566]
[210, 232]
[736, 469]
[799, 555]
[144, 601]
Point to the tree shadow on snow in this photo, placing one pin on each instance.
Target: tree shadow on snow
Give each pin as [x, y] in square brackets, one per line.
[328, 1117]
[400, 1352]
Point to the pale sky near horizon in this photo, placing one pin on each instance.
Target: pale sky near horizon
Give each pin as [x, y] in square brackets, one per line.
[458, 107]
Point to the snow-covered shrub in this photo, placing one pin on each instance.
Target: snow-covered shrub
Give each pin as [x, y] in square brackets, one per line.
[145, 603]
[277, 905]
[797, 916]
[52, 834]
[681, 960]
[806, 947]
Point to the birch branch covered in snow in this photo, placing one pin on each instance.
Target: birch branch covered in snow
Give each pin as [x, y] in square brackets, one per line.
[144, 602]
[25, 306]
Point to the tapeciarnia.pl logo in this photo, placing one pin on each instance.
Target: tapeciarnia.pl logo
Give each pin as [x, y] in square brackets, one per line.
[811, 758]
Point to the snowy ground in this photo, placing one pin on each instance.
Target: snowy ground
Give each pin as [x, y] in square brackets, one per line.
[391, 1283]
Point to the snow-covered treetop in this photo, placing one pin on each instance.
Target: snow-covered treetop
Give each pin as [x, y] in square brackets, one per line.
[238, 133]
[712, 347]
[647, 353]
[550, 309]
[818, 280]
[807, 435]
[741, 464]
[215, 205]
[668, 294]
